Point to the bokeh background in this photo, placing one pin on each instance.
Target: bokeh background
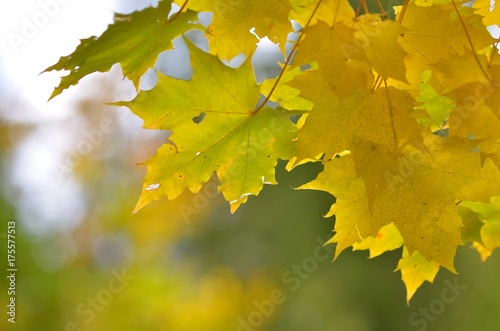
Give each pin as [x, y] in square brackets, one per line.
[86, 263]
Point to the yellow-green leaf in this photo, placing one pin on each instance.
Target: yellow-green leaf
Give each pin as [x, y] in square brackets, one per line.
[437, 106]
[216, 129]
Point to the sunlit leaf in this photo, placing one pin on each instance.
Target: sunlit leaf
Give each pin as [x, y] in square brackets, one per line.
[133, 40]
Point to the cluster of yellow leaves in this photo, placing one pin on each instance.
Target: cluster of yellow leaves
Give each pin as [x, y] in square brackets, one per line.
[404, 114]
[406, 122]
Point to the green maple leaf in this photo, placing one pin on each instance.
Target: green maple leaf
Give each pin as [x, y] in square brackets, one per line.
[133, 40]
[236, 140]
[438, 107]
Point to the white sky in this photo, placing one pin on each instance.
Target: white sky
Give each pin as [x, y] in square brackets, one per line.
[48, 29]
[61, 24]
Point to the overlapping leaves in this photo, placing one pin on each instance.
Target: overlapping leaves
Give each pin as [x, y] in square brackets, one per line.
[404, 114]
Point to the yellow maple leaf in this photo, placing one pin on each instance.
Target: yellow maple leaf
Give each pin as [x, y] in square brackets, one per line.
[415, 270]
[379, 40]
[420, 199]
[216, 130]
[353, 220]
[438, 33]
[343, 67]
[328, 11]
[489, 11]
[387, 239]
[374, 126]
[229, 33]
[462, 69]
[480, 123]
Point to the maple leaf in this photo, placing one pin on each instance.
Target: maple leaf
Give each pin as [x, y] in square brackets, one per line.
[437, 33]
[473, 222]
[229, 33]
[360, 123]
[470, 65]
[415, 270]
[404, 115]
[489, 11]
[477, 113]
[328, 11]
[347, 51]
[133, 40]
[353, 220]
[342, 67]
[387, 239]
[486, 87]
[478, 122]
[238, 142]
[420, 199]
[437, 106]
[379, 41]
[287, 96]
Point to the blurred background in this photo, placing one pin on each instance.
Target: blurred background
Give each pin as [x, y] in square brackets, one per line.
[69, 177]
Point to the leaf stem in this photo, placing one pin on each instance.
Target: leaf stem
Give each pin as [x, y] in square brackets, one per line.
[358, 8]
[494, 51]
[470, 41]
[382, 9]
[288, 60]
[403, 11]
[375, 83]
[365, 6]
[179, 12]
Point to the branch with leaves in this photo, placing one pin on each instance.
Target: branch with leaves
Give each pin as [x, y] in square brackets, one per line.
[403, 113]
